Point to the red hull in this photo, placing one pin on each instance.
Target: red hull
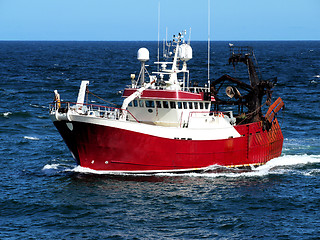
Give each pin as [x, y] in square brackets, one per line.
[111, 149]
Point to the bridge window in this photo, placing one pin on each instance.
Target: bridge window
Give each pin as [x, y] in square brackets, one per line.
[165, 104]
[141, 103]
[195, 105]
[207, 105]
[201, 105]
[173, 105]
[158, 103]
[130, 104]
[190, 105]
[180, 105]
[135, 103]
[149, 104]
[185, 105]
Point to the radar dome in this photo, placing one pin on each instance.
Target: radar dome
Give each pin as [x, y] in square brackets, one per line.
[143, 55]
[185, 52]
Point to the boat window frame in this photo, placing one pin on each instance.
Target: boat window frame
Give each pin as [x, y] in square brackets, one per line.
[173, 105]
[179, 105]
[195, 105]
[185, 105]
[165, 104]
[149, 104]
[158, 104]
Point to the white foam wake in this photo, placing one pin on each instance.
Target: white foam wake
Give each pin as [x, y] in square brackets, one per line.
[31, 138]
[282, 165]
[50, 166]
[6, 114]
[289, 160]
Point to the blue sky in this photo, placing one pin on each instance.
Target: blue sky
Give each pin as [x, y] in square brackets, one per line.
[138, 20]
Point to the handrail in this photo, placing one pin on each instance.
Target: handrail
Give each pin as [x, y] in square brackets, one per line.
[181, 118]
[54, 107]
[193, 89]
[196, 89]
[241, 50]
[216, 113]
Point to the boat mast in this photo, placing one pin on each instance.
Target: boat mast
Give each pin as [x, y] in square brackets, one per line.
[158, 34]
[209, 44]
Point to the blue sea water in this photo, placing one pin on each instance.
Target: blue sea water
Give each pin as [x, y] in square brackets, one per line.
[44, 195]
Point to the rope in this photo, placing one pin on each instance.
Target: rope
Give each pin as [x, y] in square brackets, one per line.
[257, 65]
[250, 114]
[102, 98]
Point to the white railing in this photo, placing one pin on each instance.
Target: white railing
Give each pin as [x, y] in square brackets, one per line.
[187, 89]
[89, 110]
[228, 115]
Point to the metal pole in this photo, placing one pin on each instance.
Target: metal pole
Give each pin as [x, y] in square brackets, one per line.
[158, 34]
[209, 44]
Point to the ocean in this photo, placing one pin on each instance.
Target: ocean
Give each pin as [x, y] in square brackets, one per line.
[44, 195]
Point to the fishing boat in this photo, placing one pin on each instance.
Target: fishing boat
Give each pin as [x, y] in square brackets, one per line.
[166, 123]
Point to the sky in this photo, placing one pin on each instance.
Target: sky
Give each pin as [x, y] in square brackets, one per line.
[125, 20]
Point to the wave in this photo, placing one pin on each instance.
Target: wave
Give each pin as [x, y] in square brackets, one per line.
[31, 138]
[282, 165]
[16, 114]
[6, 114]
[38, 106]
[290, 160]
[287, 164]
[51, 166]
[58, 168]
